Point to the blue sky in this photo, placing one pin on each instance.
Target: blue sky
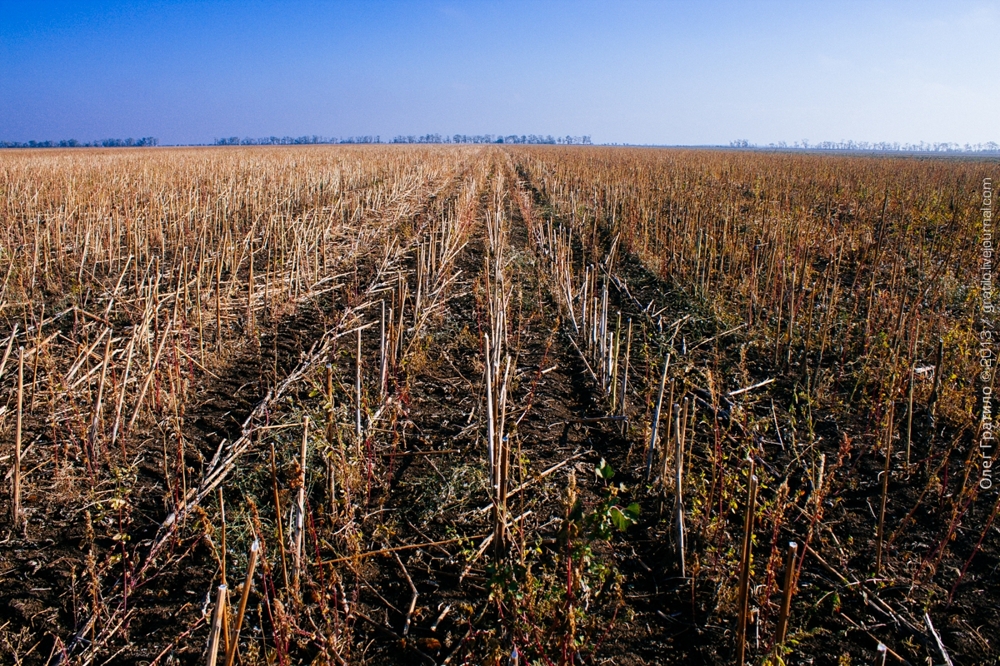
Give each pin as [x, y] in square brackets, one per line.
[636, 72]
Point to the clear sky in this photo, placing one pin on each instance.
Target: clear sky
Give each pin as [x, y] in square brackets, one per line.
[636, 72]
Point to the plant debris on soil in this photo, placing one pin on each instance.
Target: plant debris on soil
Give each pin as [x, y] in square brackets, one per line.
[494, 405]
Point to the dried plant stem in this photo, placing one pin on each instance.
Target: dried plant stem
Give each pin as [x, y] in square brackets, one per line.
[218, 302]
[383, 359]
[936, 391]
[885, 493]
[937, 640]
[222, 536]
[357, 390]
[656, 417]
[745, 559]
[121, 396]
[149, 376]
[279, 517]
[628, 352]
[10, 346]
[909, 418]
[300, 514]
[215, 633]
[909, 406]
[673, 427]
[96, 420]
[678, 493]
[247, 584]
[616, 353]
[15, 491]
[490, 425]
[786, 597]
[329, 404]
[502, 467]
[413, 598]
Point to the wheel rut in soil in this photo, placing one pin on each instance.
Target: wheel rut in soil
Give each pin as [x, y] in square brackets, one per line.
[436, 497]
[224, 397]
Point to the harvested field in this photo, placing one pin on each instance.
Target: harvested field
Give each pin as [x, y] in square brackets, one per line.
[493, 405]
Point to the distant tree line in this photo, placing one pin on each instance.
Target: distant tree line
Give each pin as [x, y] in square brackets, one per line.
[293, 140]
[495, 138]
[424, 138]
[73, 143]
[880, 146]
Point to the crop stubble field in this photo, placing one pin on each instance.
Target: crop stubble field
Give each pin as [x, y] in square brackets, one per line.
[492, 405]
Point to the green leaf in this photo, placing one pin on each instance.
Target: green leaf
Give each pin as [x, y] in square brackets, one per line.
[605, 470]
[632, 510]
[620, 520]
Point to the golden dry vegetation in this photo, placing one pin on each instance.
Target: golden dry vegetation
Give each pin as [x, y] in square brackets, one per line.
[491, 405]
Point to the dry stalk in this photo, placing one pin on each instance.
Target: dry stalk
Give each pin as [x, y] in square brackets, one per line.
[16, 517]
[679, 495]
[96, 421]
[655, 424]
[787, 592]
[218, 618]
[300, 514]
[279, 520]
[149, 376]
[880, 537]
[357, 391]
[247, 584]
[745, 559]
[413, 599]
